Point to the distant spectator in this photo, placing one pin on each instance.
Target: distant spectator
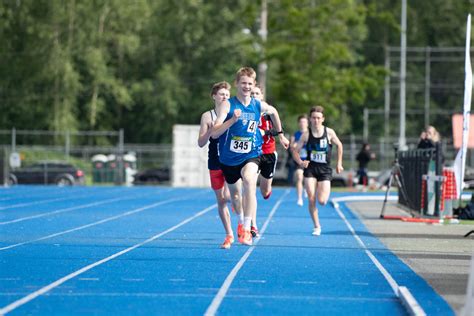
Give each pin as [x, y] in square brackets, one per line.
[428, 138]
[364, 157]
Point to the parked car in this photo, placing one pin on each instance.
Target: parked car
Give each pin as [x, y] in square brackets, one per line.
[47, 172]
[152, 176]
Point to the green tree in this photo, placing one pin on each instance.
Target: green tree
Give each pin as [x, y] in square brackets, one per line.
[314, 48]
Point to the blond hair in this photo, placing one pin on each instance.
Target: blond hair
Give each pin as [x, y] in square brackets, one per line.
[245, 71]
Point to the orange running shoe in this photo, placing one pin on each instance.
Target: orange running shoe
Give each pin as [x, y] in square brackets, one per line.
[229, 239]
[240, 230]
[246, 239]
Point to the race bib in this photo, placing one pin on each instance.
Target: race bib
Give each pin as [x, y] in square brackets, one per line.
[318, 156]
[323, 143]
[252, 126]
[241, 145]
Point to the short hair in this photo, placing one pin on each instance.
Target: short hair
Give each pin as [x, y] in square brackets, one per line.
[316, 108]
[220, 85]
[245, 71]
[302, 116]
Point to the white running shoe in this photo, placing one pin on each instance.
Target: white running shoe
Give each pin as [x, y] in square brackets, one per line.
[316, 231]
[300, 202]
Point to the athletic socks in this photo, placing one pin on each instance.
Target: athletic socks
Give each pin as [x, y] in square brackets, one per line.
[247, 223]
[241, 217]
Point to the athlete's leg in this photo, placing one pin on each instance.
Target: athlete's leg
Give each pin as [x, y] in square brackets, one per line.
[227, 193]
[265, 186]
[266, 190]
[267, 171]
[235, 196]
[310, 185]
[299, 185]
[235, 192]
[324, 189]
[249, 199]
[249, 183]
[223, 210]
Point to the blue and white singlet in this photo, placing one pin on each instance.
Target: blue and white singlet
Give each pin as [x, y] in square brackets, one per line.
[243, 140]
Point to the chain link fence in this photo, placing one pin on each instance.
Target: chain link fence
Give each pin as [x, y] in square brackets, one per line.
[152, 162]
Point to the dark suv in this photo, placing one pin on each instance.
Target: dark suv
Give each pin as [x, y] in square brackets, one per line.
[47, 172]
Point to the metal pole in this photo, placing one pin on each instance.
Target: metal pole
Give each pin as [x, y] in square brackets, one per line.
[427, 85]
[13, 140]
[381, 157]
[366, 124]
[262, 66]
[387, 92]
[403, 55]
[120, 157]
[68, 145]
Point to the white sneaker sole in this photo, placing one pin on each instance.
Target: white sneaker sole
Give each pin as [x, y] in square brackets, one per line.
[316, 232]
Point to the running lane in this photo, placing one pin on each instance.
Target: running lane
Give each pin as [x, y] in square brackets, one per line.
[181, 271]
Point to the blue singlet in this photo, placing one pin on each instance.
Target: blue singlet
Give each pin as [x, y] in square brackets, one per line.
[243, 140]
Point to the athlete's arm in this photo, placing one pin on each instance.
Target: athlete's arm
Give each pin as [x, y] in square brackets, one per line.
[335, 140]
[292, 140]
[295, 150]
[265, 107]
[205, 129]
[220, 126]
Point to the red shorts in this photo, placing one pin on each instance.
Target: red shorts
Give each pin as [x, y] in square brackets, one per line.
[217, 179]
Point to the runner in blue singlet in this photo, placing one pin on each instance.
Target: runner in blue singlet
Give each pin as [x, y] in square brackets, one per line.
[240, 142]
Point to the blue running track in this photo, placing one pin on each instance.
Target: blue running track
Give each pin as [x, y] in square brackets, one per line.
[155, 251]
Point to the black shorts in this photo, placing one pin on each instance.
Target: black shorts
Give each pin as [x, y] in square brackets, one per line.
[318, 171]
[268, 164]
[232, 173]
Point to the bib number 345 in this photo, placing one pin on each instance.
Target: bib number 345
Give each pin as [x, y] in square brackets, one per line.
[240, 146]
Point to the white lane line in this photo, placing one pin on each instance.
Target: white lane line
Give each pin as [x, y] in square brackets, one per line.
[410, 302]
[83, 193]
[177, 280]
[132, 280]
[9, 279]
[216, 302]
[88, 279]
[14, 305]
[305, 282]
[205, 295]
[257, 281]
[391, 281]
[64, 210]
[33, 203]
[105, 220]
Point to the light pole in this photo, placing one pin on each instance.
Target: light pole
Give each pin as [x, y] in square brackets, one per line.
[262, 66]
[403, 65]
